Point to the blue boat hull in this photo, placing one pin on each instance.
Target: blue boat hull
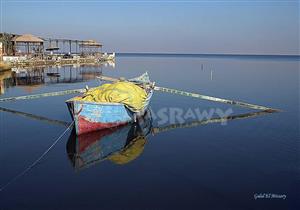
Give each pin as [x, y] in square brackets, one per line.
[92, 116]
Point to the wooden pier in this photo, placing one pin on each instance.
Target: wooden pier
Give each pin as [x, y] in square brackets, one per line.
[61, 62]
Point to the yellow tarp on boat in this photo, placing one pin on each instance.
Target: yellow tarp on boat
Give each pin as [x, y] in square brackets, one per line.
[127, 93]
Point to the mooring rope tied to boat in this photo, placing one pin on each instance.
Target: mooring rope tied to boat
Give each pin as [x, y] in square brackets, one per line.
[33, 164]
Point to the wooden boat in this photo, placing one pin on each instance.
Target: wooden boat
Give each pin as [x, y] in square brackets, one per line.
[92, 116]
[118, 144]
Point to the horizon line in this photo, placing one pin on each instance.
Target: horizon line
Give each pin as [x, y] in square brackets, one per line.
[208, 54]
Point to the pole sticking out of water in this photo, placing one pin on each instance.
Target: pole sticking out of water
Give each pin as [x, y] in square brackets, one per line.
[215, 99]
[162, 89]
[199, 96]
[157, 130]
[35, 117]
[41, 95]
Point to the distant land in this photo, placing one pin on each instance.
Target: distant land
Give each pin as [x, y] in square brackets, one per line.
[208, 55]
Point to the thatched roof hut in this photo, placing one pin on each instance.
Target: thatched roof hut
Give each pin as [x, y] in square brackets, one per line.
[33, 44]
[28, 38]
[90, 43]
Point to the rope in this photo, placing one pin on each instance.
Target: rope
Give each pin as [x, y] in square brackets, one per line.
[37, 160]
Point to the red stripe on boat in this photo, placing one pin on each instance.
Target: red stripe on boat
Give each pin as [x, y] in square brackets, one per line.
[85, 126]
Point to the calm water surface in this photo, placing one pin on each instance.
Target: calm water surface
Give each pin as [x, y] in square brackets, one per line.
[212, 166]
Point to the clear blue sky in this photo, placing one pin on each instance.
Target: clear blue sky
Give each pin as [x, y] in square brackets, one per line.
[250, 27]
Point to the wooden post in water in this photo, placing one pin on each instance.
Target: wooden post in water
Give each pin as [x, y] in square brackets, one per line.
[76, 42]
[70, 43]
[1, 51]
[27, 48]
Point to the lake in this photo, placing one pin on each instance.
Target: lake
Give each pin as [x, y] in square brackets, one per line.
[245, 163]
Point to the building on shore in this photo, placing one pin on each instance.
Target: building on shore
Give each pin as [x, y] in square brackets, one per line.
[30, 50]
[90, 47]
[28, 44]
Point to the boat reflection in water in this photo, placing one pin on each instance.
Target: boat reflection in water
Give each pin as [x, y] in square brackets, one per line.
[120, 145]
[123, 144]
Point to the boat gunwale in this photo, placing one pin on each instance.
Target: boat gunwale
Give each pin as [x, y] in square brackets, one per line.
[94, 103]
